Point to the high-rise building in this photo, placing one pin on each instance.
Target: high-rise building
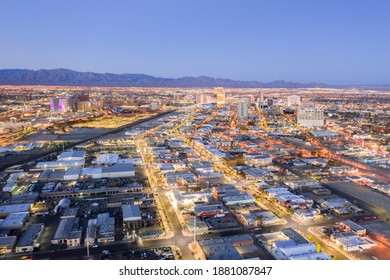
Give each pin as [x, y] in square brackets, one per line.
[62, 104]
[310, 117]
[75, 103]
[250, 98]
[219, 94]
[88, 106]
[201, 99]
[293, 100]
[242, 109]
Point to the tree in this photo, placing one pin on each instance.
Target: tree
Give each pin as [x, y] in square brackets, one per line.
[259, 220]
[318, 247]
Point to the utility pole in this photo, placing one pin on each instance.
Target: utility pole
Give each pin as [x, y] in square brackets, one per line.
[87, 242]
[194, 229]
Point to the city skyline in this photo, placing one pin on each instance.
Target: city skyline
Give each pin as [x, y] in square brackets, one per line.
[333, 43]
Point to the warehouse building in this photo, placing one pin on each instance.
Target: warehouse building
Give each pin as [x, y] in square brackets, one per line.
[5, 210]
[106, 228]
[293, 246]
[67, 229]
[224, 248]
[351, 242]
[14, 221]
[131, 213]
[29, 238]
[118, 170]
[354, 227]
[7, 243]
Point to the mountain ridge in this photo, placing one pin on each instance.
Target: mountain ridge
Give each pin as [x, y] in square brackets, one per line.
[66, 77]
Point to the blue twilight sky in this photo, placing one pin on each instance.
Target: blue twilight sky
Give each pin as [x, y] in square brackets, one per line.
[329, 41]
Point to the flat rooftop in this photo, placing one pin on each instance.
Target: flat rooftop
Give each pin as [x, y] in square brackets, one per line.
[30, 235]
[65, 227]
[293, 235]
[224, 248]
[14, 208]
[14, 221]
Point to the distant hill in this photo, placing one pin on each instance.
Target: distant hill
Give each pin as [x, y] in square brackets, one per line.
[64, 77]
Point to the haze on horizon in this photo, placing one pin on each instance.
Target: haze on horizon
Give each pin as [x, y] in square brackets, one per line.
[333, 42]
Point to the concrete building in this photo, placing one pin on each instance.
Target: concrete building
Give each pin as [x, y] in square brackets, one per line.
[219, 94]
[294, 246]
[354, 227]
[89, 106]
[118, 170]
[62, 104]
[72, 174]
[254, 174]
[351, 242]
[67, 229]
[251, 219]
[310, 117]
[258, 159]
[74, 239]
[5, 210]
[209, 210]
[238, 199]
[242, 109]
[91, 232]
[29, 238]
[7, 244]
[293, 100]
[106, 228]
[302, 183]
[224, 248]
[61, 164]
[66, 160]
[107, 159]
[14, 221]
[201, 99]
[131, 213]
[72, 155]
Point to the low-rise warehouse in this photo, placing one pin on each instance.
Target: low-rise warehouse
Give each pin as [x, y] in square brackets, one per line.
[14, 221]
[14, 208]
[64, 230]
[7, 243]
[29, 238]
[131, 213]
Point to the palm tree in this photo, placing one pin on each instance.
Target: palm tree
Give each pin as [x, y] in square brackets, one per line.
[259, 221]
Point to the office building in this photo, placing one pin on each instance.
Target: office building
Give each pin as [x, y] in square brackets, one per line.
[242, 109]
[219, 94]
[293, 100]
[201, 99]
[310, 117]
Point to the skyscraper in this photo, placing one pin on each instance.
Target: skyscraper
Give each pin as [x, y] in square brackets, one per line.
[62, 104]
[201, 99]
[242, 109]
[219, 94]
